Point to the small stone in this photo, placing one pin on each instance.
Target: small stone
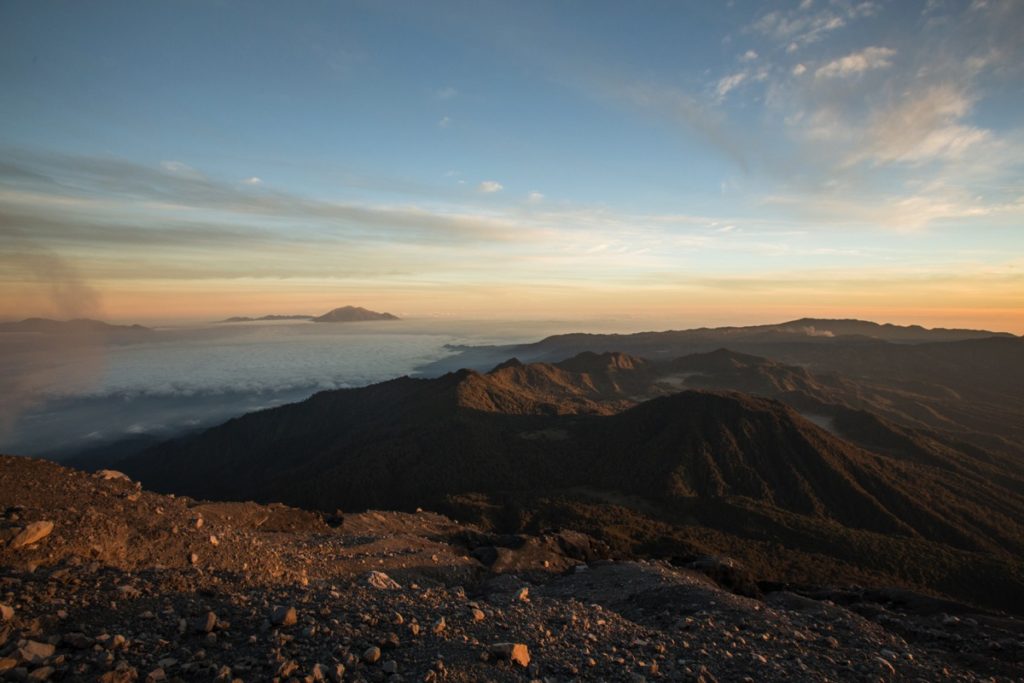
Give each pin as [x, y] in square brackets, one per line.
[478, 614]
[213, 541]
[193, 558]
[205, 623]
[224, 675]
[6, 612]
[34, 652]
[371, 655]
[287, 667]
[337, 674]
[43, 673]
[33, 533]
[389, 667]
[129, 591]
[79, 641]
[283, 616]
[414, 628]
[122, 674]
[517, 653]
[886, 666]
[382, 581]
[439, 625]
[390, 641]
[523, 594]
[156, 676]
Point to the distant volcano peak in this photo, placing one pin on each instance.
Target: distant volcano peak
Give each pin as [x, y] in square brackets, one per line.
[351, 314]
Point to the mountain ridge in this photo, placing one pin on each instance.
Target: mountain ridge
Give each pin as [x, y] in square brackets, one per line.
[523, 431]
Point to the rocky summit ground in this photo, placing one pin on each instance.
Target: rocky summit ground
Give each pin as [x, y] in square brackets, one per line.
[103, 581]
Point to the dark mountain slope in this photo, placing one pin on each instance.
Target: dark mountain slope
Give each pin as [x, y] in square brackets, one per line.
[590, 383]
[721, 469]
[966, 382]
[714, 445]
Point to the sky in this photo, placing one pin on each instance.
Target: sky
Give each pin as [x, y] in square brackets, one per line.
[704, 162]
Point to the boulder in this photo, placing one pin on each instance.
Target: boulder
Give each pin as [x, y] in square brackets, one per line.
[33, 533]
[517, 653]
[283, 616]
[382, 581]
[107, 475]
[34, 652]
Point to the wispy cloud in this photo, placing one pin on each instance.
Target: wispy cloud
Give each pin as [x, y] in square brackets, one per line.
[921, 126]
[180, 168]
[857, 62]
[490, 186]
[729, 83]
[49, 180]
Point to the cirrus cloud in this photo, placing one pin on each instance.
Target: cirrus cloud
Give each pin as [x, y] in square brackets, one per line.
[857, 63]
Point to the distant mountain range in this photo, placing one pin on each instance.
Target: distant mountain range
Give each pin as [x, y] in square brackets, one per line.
[625, 448]
[795, 341]
[77, 326]
[349, 314]
[246, 319]
[344, 314]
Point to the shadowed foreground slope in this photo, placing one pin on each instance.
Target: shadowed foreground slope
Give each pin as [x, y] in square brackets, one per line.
[123, 584]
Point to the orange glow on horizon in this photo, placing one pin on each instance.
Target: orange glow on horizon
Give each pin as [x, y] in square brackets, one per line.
[675, 307]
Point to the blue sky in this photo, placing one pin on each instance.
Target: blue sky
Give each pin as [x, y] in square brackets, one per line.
[730, 161]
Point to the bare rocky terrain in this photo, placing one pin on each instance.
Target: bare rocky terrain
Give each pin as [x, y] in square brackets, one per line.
[103, 581]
